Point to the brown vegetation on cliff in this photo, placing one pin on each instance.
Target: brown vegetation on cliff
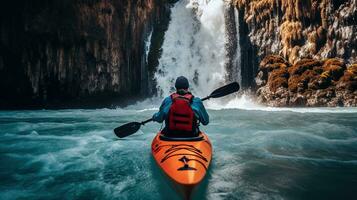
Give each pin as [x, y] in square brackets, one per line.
[278, 78]
[349, 79]
[307, 82]
[274, 68]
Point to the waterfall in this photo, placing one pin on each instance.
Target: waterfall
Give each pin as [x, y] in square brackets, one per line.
[147, 47]
[238, 51]
[202, 43]
[144, 64]
[194, 46]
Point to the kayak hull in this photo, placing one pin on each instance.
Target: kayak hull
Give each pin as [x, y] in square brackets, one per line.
[184, 161]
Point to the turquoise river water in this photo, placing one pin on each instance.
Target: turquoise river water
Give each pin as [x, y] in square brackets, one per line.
[258, 154]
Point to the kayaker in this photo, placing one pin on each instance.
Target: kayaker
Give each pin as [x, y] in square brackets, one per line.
[182, 112]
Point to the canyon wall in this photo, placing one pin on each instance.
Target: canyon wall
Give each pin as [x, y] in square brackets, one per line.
[76, 51]
[100, 52]
[297, 29]
[306, 50]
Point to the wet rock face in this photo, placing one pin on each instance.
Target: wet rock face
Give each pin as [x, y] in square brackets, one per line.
[293, 39]
[308, 82]
[59, 51]
[297, 29]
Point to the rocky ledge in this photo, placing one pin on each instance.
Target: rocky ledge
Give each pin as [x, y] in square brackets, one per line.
[308, 82]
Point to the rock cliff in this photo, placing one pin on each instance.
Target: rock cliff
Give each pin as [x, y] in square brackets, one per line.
[96, 52]
[75, 51]
[299, 29]
[304, 33]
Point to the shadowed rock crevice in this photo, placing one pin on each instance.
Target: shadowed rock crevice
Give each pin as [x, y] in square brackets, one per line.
[249, 58]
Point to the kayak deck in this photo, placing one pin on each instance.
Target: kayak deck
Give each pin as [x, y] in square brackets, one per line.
[184, 160]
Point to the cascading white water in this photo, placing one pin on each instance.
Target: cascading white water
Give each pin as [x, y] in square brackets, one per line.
[194, 47]
[238, 55]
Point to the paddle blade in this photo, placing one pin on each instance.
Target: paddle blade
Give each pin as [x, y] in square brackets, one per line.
[127, 129]
[225, 90]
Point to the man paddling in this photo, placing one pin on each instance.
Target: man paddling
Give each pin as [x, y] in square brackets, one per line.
[182, 112]
[195, 105]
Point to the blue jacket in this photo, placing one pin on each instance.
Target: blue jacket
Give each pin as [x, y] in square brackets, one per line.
[196, 105]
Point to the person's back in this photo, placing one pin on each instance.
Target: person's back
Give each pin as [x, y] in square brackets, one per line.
[182, 112]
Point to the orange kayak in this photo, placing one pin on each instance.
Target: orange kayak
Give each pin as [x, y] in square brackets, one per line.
[184, 160]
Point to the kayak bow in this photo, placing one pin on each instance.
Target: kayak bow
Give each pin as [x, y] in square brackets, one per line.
[184, 160]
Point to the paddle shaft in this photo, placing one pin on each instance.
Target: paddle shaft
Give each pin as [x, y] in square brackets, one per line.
[206, 98]
[146, 121]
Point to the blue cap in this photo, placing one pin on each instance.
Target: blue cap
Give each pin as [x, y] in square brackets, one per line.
[181, 83]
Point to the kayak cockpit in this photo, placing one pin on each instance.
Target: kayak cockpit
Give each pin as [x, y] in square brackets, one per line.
[186, 139]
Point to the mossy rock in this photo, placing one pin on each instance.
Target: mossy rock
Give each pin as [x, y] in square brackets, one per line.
[335, 67]
[281, 72]
[278, 78]
[306, 80]
[324, 80]
[270, 59]
[352, 69]
[303, 65]
[310, 75]
[313, 85]
[334, 61]
[274, 66]
[272, 62]
[318, 70]
[348, 81]
[335, 71]
[297, 83]
[325, 74]
[277, 83]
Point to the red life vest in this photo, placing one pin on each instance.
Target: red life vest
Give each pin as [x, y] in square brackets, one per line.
[181, 116]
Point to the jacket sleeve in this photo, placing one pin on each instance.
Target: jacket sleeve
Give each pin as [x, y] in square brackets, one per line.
[200, 110]
[163, 111]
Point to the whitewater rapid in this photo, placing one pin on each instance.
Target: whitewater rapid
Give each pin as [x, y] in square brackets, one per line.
[238, 102]
[74, 154]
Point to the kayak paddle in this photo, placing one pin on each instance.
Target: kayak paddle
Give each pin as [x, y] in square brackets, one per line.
[223, 91]
[129, 128]
[133, 127]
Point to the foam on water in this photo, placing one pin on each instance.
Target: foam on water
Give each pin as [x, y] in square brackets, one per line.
[243, 101]
[247, 102]
[256, 153]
